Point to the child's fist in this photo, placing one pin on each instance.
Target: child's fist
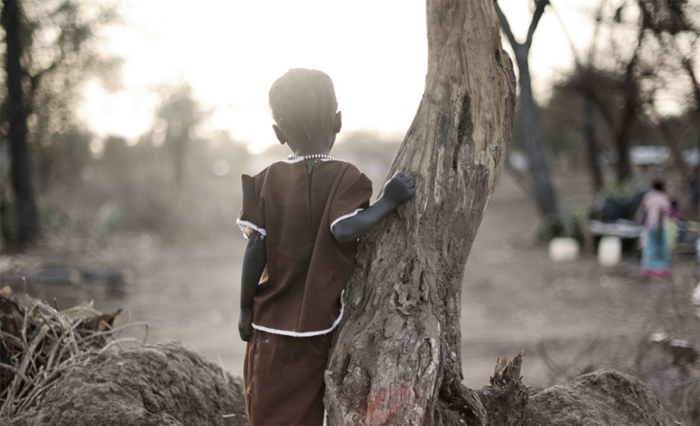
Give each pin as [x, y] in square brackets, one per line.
[245, 324]
[400, 188]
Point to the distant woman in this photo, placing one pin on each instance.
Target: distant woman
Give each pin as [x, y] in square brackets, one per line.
[656, 249]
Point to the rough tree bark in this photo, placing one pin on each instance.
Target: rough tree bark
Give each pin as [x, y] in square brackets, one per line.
[396, 358]
[544, 190]
[20, 172]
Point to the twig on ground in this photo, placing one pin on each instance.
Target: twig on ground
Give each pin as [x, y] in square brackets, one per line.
[229, 416]
[117, 329]
[223, 370]
[16, 371]
[11, 338]
[6, 409]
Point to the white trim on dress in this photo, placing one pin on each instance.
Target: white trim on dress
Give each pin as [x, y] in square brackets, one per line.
[343, 217]
[296, 160]
[306, 333]
[243, 224]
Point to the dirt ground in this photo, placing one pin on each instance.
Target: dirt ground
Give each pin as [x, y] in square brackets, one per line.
[569, 317]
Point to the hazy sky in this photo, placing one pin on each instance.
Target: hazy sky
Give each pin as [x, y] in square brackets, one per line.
[230, 52]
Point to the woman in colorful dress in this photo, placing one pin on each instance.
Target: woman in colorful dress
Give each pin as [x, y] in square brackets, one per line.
[656, 238]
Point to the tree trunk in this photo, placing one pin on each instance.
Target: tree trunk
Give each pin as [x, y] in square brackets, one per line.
[630, 112]
[627, 122]
[20, 171]
[545, 195]
[591, 146]
[622, 142]
[544, 191]
[396, 359]
[695, 182]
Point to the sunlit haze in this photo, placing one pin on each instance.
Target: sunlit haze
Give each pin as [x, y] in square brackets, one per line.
[230, 52]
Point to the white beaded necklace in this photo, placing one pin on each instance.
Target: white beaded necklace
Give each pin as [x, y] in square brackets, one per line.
[311, 157]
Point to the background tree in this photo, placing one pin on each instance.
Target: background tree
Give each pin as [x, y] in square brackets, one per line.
[675, 36]
[545, 195]
[180, 113]
[588, 122]
[60, 51]
[25, 214]
[396, 359]
[626, 83]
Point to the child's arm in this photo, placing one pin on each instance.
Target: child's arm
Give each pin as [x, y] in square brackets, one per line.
[398, 190]
[254, 261]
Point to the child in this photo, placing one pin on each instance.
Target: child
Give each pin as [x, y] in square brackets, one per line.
[302, 217]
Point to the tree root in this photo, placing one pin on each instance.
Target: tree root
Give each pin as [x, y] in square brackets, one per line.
[506, 400]
[502, 403]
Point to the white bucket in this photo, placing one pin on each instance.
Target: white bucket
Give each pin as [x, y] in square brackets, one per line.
[609, 251]
[695, 298]
[563, 249]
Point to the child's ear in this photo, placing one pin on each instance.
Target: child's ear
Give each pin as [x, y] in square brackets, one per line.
[280, 134]
[338, 122]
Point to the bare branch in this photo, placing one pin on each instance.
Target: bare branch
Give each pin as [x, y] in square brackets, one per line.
[688, 66]
[539, 10]
[16, 371]
[596, 30]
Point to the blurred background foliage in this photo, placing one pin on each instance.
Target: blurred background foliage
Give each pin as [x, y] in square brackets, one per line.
[176, 182]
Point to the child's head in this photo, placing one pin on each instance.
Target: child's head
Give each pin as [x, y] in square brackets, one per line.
[658, 185]
[304, 107]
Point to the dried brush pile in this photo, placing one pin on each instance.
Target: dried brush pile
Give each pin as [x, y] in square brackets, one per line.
[39, 342]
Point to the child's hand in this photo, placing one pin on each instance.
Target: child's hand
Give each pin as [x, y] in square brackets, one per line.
[400, 188]
[245, 324]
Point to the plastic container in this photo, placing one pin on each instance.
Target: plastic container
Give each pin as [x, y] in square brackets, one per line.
[609, 251]
[563, 249]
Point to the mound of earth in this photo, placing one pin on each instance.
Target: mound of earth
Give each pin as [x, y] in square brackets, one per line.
[599, 399]
[164, 385]
[168, 384]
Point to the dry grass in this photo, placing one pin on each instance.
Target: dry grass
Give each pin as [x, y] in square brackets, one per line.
[39, 342]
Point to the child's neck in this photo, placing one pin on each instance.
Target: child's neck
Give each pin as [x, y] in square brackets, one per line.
[318, 147]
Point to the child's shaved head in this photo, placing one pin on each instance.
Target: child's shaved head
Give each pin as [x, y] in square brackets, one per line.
[303, 105]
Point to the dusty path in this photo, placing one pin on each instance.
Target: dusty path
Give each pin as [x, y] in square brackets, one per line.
[583, 315]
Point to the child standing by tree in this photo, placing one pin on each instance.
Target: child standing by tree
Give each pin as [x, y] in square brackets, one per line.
[302, 217]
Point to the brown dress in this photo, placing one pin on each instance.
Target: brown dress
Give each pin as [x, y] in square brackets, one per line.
[297, 303]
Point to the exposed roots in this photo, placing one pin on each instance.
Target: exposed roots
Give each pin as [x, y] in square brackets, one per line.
[502, 403]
